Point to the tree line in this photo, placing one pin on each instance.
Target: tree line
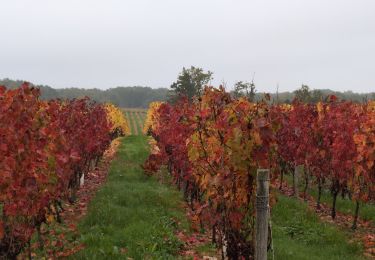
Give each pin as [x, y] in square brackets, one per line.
[189, 83]
[131, 97]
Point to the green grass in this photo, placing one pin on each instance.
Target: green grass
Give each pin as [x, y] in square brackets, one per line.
[299, 234]
[128, 115]
[347, 206]
[132, 213]
[344, 205]
[136, 118]
[135, 216]
[139, 122]
[143, 117]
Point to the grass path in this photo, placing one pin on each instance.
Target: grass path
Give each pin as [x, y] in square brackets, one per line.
[130, 121]
[136, 118]
[343, 205]
[132, 215]
[299, 234]
[134, 122]
[135, 216]
[365, 232]
[140, 122]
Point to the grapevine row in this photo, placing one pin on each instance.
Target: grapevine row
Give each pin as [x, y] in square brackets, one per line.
[45, 148]
[213, 146]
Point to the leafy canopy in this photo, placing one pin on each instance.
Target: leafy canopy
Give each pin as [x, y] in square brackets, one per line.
[190, 83]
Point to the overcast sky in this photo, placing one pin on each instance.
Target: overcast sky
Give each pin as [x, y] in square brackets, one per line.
[108, 43]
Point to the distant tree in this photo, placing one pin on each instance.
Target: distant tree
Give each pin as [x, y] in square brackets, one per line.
[316, 96]
[303, 94]
[244, 89]
[190, 83]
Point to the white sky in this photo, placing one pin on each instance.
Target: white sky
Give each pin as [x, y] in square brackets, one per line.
[108, 43]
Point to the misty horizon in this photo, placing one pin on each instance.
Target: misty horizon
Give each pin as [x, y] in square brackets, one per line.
[105, 44]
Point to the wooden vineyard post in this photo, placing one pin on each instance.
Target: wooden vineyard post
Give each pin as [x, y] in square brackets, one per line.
[262, 208]
[82, 180]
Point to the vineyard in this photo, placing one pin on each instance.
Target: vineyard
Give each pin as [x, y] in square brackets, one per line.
[306, 171]
[45, 151]
[187, 130]
[214, 146]
[136, 119]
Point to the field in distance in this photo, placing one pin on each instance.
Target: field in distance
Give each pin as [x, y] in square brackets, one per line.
[136, 118]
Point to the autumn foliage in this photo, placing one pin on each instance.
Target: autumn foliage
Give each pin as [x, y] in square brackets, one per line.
[334, 141]
[151, 117]
[120, 124]
[213, 146]
[45, 148]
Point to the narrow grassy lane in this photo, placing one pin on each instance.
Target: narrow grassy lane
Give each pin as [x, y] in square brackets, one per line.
[132, 215]
[343, 205]
[299, 234]
[130, 121]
